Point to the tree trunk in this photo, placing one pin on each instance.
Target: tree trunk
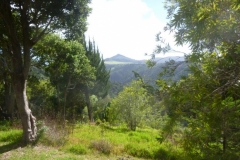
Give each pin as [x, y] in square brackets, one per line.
[89, 107]
[19, 79]
[19, 44]
[28, 120]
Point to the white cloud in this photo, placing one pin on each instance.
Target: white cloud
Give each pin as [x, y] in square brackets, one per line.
[127, 27]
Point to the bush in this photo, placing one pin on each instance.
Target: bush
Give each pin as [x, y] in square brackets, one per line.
[77, 149]
[52, 134]
[98, 122]
[150, 152]
[164, 154]
[138, 151]
[103, 146]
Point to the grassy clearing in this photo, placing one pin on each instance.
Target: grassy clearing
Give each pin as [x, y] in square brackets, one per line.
[90, 142]
[117, 141]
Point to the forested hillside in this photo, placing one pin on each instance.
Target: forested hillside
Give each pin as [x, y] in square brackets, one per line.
[123, 73]
[123, 68]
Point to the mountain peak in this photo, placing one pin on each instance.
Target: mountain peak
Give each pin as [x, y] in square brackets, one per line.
[120, 58]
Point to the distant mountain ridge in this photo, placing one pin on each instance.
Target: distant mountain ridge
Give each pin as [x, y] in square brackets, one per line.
[121, 70]
[123, 59]
[120, 58]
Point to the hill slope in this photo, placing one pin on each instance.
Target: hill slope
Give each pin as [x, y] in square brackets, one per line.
[122, 70]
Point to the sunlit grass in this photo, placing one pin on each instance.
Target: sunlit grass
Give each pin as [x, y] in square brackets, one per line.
[10, 136]
[141, 143]
[88, 141]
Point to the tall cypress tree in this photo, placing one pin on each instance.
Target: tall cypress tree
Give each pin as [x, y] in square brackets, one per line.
[101, 85]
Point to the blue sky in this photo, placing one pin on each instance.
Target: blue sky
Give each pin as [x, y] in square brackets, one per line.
[157, 7]
[128, 27]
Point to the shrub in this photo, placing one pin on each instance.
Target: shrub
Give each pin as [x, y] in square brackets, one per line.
[150, 153]
[77, 149]
[98, 122]
[164, 154]
[52, 134]
[138, 151]
[103, 146]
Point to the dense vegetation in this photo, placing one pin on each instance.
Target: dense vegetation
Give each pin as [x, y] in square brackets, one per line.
[64, 82]
[206, 103]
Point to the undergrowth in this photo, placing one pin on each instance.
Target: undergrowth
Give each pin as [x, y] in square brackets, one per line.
[52, 133]
[86, 139]
[117, 141]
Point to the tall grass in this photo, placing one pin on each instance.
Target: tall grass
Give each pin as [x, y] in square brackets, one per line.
[10, 136]
[92, 140]
[117, 141]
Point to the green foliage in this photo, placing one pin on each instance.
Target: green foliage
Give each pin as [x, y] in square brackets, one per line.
[22, 25]
[100, 109]
[63, 58]
[101, 84]
[41, 93]
[209, 116]
[206, 102]
[131, 106]
[68, 68]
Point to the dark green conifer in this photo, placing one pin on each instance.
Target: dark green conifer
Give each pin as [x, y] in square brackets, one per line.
[101, 85]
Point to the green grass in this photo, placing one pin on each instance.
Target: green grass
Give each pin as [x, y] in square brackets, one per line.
[91, 142]
[119, 141]
[10, 136]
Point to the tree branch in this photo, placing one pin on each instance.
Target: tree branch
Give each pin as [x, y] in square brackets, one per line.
[36, 38]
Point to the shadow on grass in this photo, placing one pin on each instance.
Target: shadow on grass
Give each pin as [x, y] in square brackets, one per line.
[11, 146]
[10, 140]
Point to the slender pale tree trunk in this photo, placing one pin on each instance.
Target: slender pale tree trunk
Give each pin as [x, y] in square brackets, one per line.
[19, 79]
[89, 106]
[28, 120]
